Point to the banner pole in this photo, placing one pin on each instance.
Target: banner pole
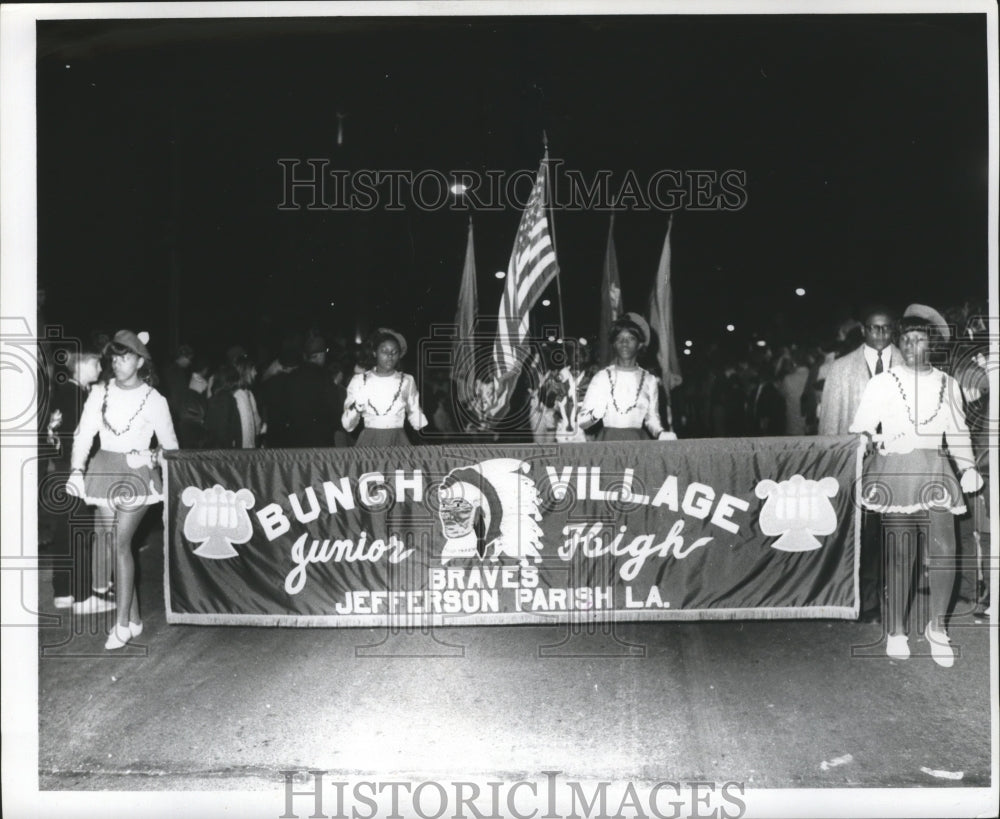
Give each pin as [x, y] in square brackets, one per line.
[673, 331]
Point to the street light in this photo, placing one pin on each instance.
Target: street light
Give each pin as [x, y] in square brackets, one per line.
[730, 327]
[546, 302]
[800, 291]
[500, 274]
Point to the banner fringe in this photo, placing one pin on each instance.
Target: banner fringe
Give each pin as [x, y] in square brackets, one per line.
[418, 622]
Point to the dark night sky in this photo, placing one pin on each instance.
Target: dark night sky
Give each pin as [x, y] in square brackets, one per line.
[864, 140]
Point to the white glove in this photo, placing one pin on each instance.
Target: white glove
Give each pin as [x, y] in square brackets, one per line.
[55, 421]
[971, 481]
[74, 484]
[667, 435]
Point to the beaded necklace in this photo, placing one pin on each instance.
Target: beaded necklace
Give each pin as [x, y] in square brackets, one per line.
[906, 401]
[128, 426]
[638, 392]
[392, 403]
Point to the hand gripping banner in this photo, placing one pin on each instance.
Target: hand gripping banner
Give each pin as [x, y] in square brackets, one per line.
[472, 535]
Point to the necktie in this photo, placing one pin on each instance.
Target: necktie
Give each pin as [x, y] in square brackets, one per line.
[878, 369]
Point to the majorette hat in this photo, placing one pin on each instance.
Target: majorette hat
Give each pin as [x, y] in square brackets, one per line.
[637, 322]
[136, 342]
[397, 336]
[931, 315]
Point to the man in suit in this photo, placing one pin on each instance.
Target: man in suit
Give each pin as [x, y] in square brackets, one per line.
[313, 405]
[72, 576]
[845, 382]
[849, 375]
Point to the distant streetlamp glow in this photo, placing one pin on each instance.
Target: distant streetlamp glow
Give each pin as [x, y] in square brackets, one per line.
[458, 189]
[730, 327]
[546, 302]
[500, 274]
[800, 291]
[687, 352]
[761, 342]
[689, 343]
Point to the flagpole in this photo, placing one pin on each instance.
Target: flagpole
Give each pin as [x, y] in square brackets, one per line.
[552, 231]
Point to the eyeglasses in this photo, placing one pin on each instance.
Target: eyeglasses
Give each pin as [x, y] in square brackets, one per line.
[885, 329]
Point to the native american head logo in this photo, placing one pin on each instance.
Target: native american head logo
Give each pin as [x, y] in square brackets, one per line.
[797, 509]
[492, 505]
[218, 519]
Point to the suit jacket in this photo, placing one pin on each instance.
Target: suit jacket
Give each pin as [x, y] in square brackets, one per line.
[312, 406]
[223, 428]
[190, 425]
[68, 397]
[845, 382]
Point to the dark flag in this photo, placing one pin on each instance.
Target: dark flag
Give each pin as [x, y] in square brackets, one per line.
[611, 296]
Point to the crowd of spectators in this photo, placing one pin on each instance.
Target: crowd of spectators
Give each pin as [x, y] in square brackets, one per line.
[777, 389]
[766, 388]
[294, 396]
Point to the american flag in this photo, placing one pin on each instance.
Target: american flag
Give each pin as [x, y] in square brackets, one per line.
[531, 268]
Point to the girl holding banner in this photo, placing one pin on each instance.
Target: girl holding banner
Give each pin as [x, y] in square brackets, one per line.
[624, 396]
[123, 478]
[384, 397]
[910, 479]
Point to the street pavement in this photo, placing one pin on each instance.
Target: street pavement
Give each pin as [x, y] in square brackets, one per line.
[767, 704]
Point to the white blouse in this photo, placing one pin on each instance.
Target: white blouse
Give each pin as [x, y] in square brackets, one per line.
[623, 398]
[915, 409]
[383, 401]
[132, 417]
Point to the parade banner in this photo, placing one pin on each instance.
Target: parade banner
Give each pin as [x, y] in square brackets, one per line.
[478, 534]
